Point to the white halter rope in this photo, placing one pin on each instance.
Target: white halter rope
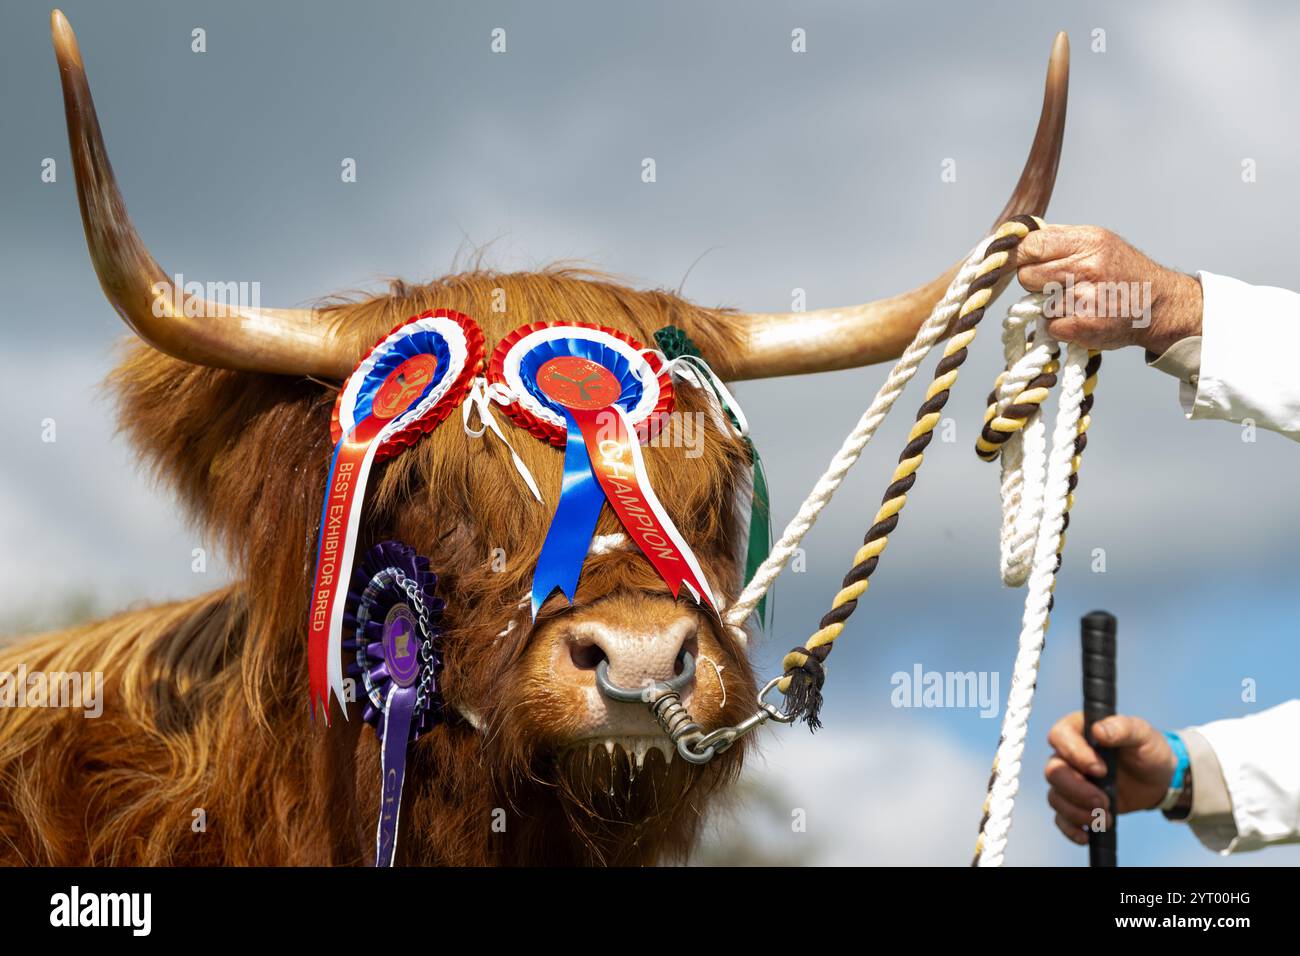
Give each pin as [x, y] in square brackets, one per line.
[1036, 493]
[856, 442]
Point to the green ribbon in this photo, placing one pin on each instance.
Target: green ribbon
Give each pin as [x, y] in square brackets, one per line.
[675, 343]
[760, 528]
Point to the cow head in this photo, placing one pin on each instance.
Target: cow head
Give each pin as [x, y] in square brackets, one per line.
[232, 408]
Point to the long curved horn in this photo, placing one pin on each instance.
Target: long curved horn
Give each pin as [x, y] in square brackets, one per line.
[792, 343]
[286, 341]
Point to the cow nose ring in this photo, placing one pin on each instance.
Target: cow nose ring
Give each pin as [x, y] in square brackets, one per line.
[649, 692]
[664, 699]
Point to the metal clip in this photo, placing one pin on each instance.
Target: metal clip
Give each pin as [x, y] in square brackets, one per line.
[724, 737]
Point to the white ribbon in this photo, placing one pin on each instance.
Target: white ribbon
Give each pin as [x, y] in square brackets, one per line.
[699, 373]
[481, 396]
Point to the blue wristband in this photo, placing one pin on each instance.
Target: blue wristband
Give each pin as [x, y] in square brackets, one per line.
[1182, 756]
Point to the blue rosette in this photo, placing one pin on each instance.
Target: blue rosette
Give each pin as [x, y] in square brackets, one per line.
[403, 389]
[420, 342]
[610, 359]
[519, 357]
[445, 345]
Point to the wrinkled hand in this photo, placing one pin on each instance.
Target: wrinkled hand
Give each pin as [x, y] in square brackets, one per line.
[1105, 293]
[1144, 768]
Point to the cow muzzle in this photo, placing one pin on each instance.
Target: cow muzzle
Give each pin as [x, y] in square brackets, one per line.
[664, 698]
[611, 660]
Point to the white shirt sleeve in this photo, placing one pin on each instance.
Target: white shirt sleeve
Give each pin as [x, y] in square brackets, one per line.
[1260, 763]
[1250, 337]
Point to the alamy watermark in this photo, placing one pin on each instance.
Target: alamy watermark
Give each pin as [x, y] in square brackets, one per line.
[1112, 300]
[204, 300]
[683, 430]
[77, 690]
[133, 911]
[946, 689]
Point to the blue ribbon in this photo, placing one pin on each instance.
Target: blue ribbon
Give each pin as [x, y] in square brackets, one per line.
[569, 537]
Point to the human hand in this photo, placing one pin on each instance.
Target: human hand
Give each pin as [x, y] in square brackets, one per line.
[1144, 768]
[1105, 294]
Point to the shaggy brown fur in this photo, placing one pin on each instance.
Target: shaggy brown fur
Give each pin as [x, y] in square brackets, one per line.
[205, 700]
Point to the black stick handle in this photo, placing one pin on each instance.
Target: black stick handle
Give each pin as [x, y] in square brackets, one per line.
[1098, 703]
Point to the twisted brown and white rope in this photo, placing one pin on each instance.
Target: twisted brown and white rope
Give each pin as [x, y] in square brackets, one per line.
[1037, 494]
[855, 443]
[804, 665]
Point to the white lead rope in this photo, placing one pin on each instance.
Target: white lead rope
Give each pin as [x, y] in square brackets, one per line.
[851, 449]
[1035, 495]
[1026, 451]
[1035, 500]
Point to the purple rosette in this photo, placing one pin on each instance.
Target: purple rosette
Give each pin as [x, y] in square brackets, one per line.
[391, 618]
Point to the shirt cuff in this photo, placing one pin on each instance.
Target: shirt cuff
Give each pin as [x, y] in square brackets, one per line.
[1262, 779]
[1182, 360]
[1211, 814]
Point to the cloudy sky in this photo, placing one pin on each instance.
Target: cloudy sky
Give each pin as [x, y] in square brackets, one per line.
[775, 171]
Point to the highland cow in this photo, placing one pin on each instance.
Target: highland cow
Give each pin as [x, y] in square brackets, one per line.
[204, 699]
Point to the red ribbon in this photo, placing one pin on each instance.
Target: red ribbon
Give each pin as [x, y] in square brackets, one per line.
[616, 461]
[352, 459]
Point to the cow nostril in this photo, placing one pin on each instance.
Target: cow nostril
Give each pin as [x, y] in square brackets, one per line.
[586, 657]
[690, 646]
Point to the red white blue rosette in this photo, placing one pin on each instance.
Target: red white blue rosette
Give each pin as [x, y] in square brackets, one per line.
[402, 359]
[645, 389]
[405, 387]
[592, 391]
